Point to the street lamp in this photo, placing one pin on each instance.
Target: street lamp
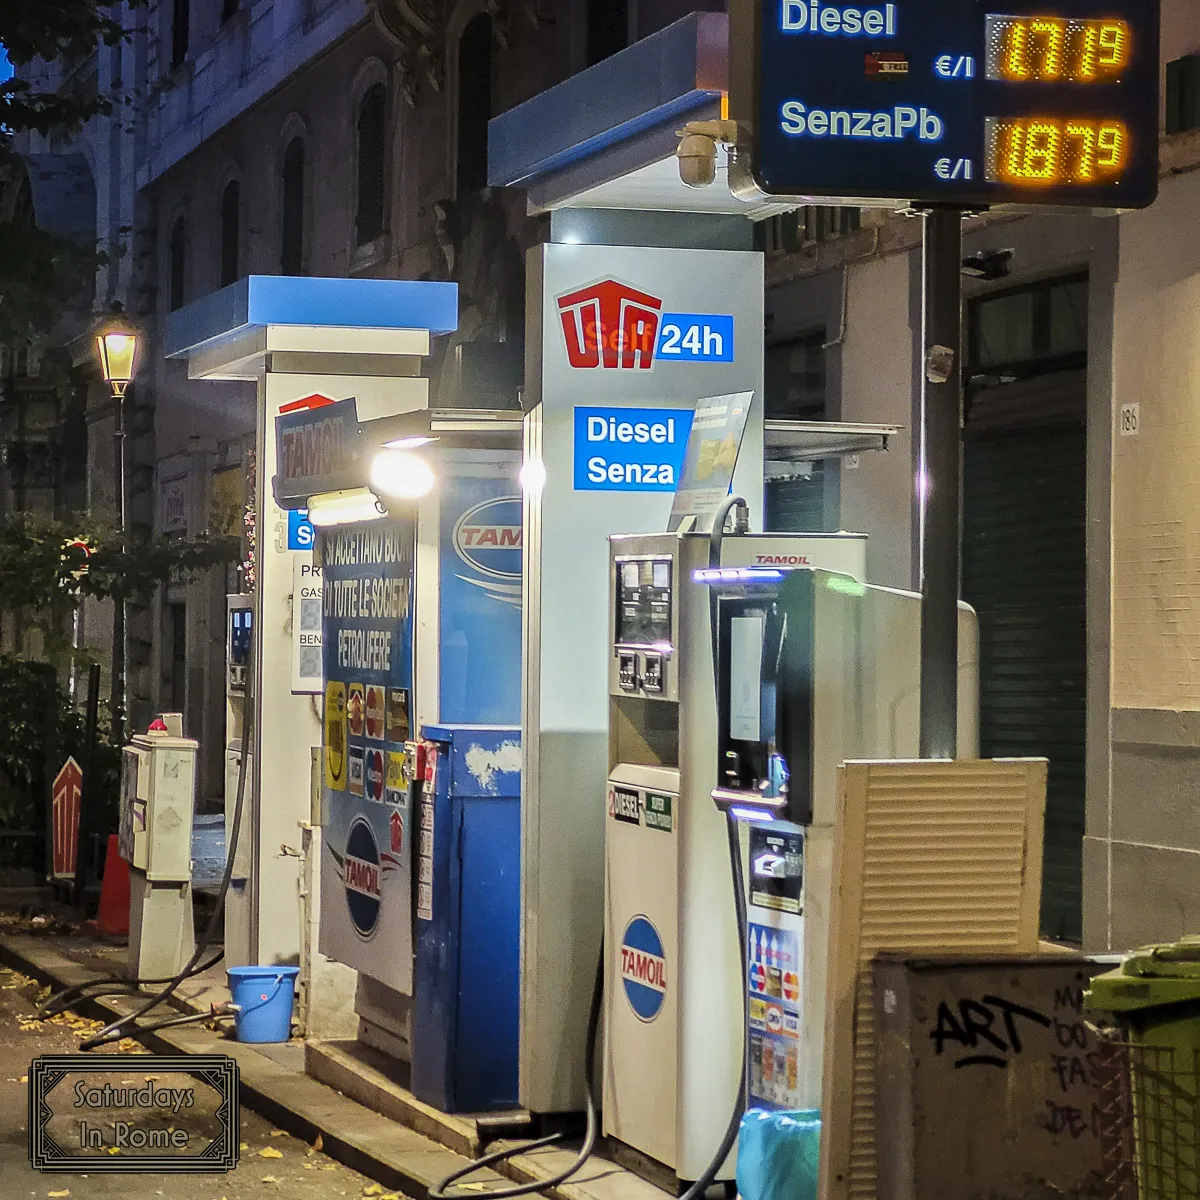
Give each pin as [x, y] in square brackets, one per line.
[116, 348]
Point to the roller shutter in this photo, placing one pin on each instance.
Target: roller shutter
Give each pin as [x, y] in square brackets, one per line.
[1024, 571]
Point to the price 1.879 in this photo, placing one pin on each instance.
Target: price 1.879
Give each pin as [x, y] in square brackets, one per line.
[1053, 151]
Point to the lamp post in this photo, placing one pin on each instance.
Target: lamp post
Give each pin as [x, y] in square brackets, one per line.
[116, 347]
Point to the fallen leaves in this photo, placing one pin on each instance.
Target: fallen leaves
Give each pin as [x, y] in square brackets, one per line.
[270, 1152]
[271, 1179]
[279, 1133]
[317, 1146]
[372, 1189]
[59, 1195]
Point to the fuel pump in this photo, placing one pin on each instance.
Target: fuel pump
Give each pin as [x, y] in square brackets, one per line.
[673, 1001]
[813, 669]
[745, 669]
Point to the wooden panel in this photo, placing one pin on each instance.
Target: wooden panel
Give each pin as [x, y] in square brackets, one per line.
[929, 857]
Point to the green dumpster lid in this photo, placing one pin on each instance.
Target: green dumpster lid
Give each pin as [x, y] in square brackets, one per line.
[1149, 977]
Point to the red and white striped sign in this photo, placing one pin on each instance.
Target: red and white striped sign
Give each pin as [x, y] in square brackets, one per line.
[66, 794]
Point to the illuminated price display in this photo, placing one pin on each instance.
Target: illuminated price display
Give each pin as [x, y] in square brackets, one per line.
[1044, 152]
[972, 103]
[1053, 50]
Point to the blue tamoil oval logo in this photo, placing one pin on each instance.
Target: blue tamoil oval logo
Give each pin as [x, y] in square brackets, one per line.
[643, 969]
[489, 537]
[363, 877]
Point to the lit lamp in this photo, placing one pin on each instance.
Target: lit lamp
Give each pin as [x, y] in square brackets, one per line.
[398, 474]
[117, 350]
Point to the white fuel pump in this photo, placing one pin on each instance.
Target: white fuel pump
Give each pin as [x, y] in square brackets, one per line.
[158, 787]
[745, 670]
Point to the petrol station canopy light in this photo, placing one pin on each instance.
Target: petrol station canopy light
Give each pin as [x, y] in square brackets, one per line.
[452, 428]
[792, 446]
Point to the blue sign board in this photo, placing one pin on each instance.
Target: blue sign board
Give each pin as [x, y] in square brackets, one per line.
[692, 337]
[960, 102]
[630, 449]
[300, 533]
[482, 545]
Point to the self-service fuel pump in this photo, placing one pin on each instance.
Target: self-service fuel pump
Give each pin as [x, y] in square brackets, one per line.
[238, 637]
[812, 667]
[673, 1001]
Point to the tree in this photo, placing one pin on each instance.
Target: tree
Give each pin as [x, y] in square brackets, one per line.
[42, 275]
[54, 31]
[47, 566]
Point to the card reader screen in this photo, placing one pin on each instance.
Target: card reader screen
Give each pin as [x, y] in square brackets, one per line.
[644, 602]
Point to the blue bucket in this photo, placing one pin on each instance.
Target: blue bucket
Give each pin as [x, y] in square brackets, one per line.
[262, 1002]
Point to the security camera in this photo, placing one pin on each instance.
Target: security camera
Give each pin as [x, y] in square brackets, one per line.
[989, 264]
[697, 152]
[697, 156]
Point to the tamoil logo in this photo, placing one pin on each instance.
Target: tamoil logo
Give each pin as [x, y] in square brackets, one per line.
[643, 968]
[363, 878]
[489, 538]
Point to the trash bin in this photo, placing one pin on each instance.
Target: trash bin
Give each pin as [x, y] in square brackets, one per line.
[1155, 997]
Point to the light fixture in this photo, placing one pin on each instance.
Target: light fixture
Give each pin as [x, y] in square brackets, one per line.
[401, 475]
[533, 476]
[116, 348]
[408, 443]
[350, 507]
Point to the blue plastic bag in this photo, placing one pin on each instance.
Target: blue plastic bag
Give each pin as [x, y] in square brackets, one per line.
[777, 1155]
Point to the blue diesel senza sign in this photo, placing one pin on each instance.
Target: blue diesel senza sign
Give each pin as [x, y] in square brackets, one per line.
[630, 449]
[963, 102]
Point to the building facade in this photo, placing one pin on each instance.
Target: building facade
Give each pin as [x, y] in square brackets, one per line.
[340, 137]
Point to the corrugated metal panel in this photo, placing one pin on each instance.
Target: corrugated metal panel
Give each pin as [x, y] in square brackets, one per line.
[798, 505]
[929, 857]
[1025, 573]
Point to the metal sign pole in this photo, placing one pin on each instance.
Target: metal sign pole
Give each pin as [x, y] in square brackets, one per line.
[938, 481]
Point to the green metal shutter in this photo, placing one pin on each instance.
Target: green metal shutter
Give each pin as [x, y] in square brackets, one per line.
[1024, 571]
[797, 505]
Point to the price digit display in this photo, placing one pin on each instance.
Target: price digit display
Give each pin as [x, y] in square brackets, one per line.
[1056, 49]
[1048, 152]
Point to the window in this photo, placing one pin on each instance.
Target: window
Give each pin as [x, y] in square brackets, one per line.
[371, 145]
[607, 29]
[474, 103]
[807, 226]
[291, 259]
[228, 8]
[181, 18]
[177, 264]
[230, 216]
[795, 378]
[1030, 330]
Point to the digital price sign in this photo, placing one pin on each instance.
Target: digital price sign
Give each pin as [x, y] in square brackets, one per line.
[972, 103]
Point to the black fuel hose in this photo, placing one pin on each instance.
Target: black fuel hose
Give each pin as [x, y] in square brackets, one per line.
[441, 1190]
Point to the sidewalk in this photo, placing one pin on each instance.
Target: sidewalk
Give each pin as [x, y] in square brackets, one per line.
[274, 1083]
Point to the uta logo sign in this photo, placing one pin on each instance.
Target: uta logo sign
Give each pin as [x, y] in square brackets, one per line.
[614, 326]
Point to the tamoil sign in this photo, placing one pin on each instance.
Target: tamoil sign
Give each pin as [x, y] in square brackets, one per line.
[317, 450]
[962, 102]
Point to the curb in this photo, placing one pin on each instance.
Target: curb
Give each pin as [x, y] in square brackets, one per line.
[397, 1157]
[362, 1140]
